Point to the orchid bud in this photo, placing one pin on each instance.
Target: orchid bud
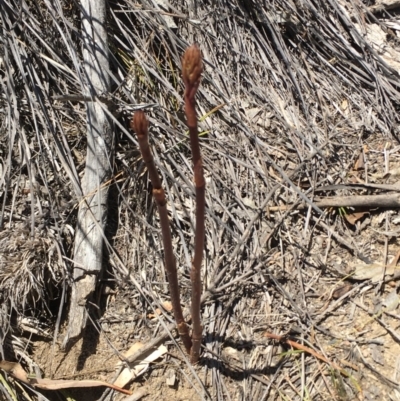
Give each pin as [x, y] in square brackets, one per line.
[192, 66]
[139, 123]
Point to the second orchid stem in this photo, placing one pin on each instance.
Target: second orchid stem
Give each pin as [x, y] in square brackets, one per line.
[140, 125]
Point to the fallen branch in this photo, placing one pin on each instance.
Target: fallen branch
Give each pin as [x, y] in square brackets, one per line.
[389, 200]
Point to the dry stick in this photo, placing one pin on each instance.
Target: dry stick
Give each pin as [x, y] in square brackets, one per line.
[192, 67]
[388, 200]
[304, 348]
[139, 124]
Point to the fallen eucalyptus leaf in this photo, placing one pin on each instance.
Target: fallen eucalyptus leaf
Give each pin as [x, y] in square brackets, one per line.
[17, 371]
[352, 218]
[48, 384]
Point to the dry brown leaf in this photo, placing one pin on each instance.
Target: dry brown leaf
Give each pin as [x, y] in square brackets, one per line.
[17, 371]
[48, 384]
[342, 290]
[352, 218]
[359, 164]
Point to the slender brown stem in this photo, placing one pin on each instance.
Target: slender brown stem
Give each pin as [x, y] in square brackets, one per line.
[302, 347]
[192, 67]
[139, 124]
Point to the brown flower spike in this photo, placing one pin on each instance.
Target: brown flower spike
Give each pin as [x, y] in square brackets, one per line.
[192, 67]
[140, 124]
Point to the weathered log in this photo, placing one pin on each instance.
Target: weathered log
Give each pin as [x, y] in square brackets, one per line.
[92, 215]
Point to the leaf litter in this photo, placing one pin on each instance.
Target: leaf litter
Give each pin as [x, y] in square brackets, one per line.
[305, 88]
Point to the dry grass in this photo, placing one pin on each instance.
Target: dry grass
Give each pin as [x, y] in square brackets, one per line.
[292, 95]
